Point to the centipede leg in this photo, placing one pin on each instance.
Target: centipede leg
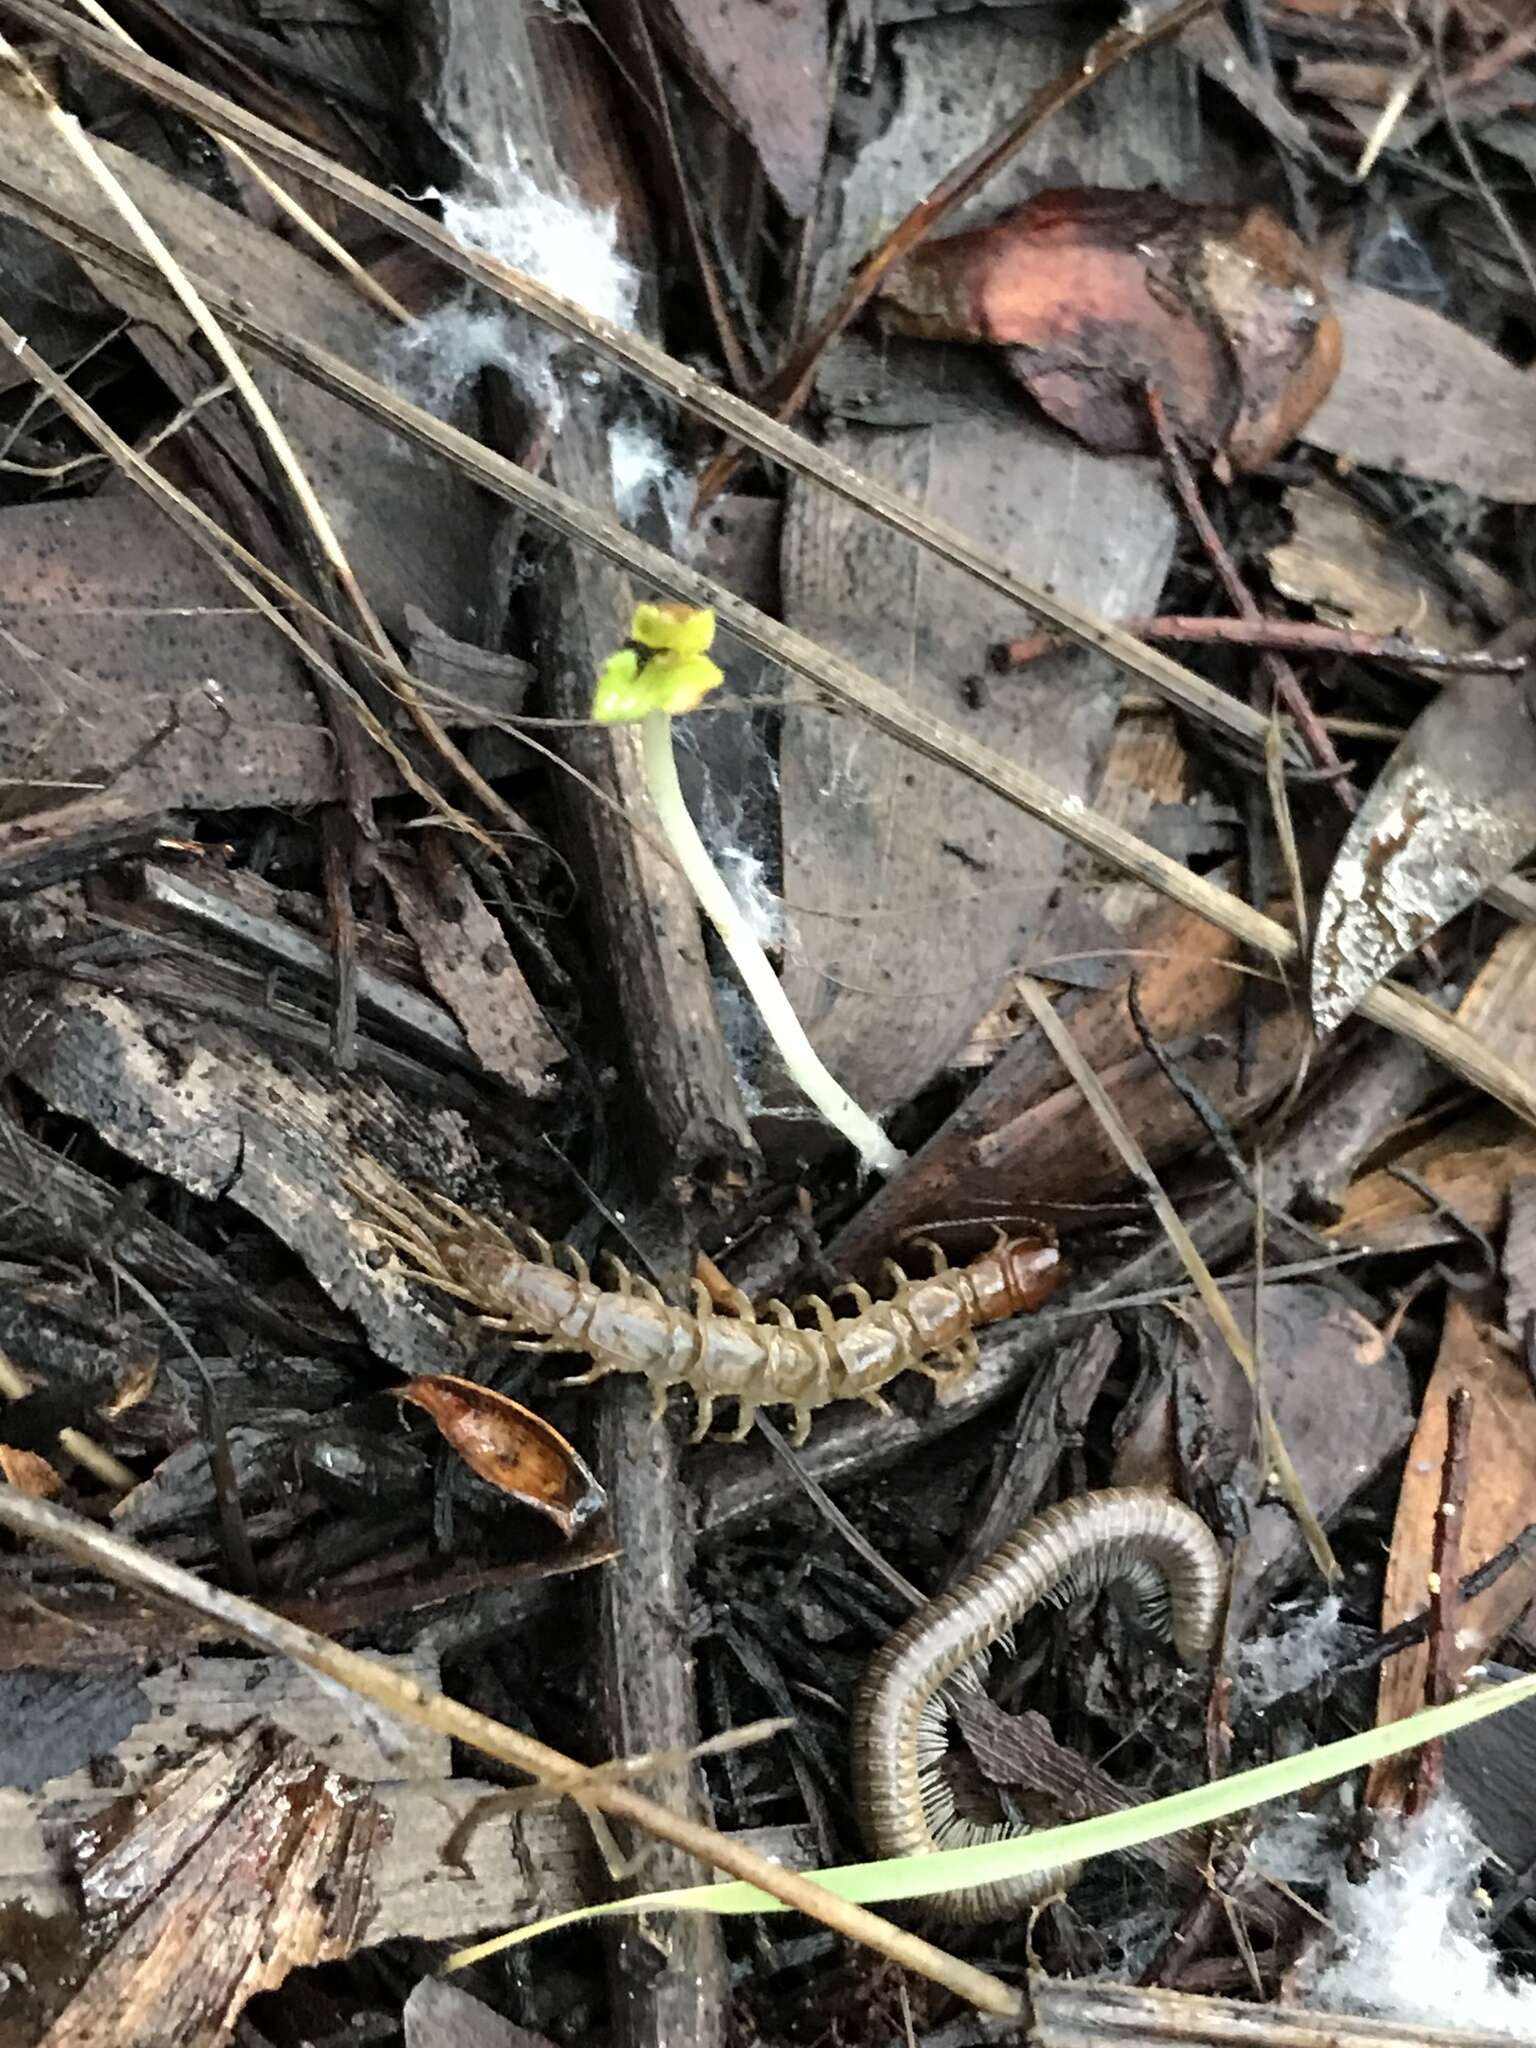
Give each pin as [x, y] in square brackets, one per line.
[623, 1279]
[648, 1290]
[781, 1313]
[896, 1275]
[742, 1305]
[746, 1415]
[541, 1244]
[935, 1250]
[822, 1310]
[859, 1295]
[577, 1264]
[706, 1415]
[703, 1300]
[800, 1429]
[598, 1370]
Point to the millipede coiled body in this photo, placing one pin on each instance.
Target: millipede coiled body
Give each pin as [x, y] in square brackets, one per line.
[759, 1358]
[1136, 1540]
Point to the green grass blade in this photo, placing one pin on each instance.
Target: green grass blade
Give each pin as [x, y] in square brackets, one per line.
[950, 1870]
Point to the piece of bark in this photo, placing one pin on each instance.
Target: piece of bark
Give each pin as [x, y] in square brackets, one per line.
[440, 2015]
[465, 955]
[1025, 1138]
[132, 688]
[1338, 1125]
[215, 1112]
[911, 902]
[1520, 1258]
[1419, 395]
[765, 69]
[225, 1874]
[415, 533]
[1501, 1499]
[1340, 1400]
[1355, 571]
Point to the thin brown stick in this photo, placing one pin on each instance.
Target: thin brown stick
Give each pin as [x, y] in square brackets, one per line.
[1443, 1675]
[1282, 676]
[1281, 636]
[130, 1565]
[786, 392]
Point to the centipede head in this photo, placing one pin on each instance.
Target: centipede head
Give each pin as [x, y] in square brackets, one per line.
[1032, 1269]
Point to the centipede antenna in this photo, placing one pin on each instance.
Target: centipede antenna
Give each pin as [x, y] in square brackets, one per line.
[935, 1250]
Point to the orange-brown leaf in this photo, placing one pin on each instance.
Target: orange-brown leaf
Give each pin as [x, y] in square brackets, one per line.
[29, 1473]
[1501, 1500]
[1096, 294]
[510, 1448]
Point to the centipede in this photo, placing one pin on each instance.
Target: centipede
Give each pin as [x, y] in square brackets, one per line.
[734, 1349]
[1150, 1551]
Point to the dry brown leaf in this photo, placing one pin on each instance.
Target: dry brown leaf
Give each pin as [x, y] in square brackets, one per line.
[1450, 814]
[1470, 1167]
[1357, 572]
[1419, 395]
[1500, 1006]
[1096, 294]
[29, 1473]
[1501, 1500]
[511, 1448]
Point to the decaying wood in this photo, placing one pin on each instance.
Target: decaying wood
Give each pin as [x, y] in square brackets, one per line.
[194, 1699]
[214, 1111]
[873, 839]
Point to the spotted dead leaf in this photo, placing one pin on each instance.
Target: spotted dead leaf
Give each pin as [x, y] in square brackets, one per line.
[1095, 294]
[510, 1448]
[1451, 813]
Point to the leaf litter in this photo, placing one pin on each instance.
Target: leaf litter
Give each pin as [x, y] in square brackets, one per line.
[244, 951]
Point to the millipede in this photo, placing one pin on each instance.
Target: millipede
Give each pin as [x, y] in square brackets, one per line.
[926, 1325]
[1148, 1549]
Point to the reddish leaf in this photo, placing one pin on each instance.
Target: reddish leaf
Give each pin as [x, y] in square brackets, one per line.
[1096, 294]
[511, 1448]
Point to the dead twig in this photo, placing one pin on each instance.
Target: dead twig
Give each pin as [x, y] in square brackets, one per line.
[1279, 636]
[1445, 1591]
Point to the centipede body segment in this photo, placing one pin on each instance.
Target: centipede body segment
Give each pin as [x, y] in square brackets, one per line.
[757, 1357]
[1139, 1542]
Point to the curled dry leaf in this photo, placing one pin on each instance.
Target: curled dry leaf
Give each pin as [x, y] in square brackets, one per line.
[1451, 813]
[511, 1448]
[1095, 294]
